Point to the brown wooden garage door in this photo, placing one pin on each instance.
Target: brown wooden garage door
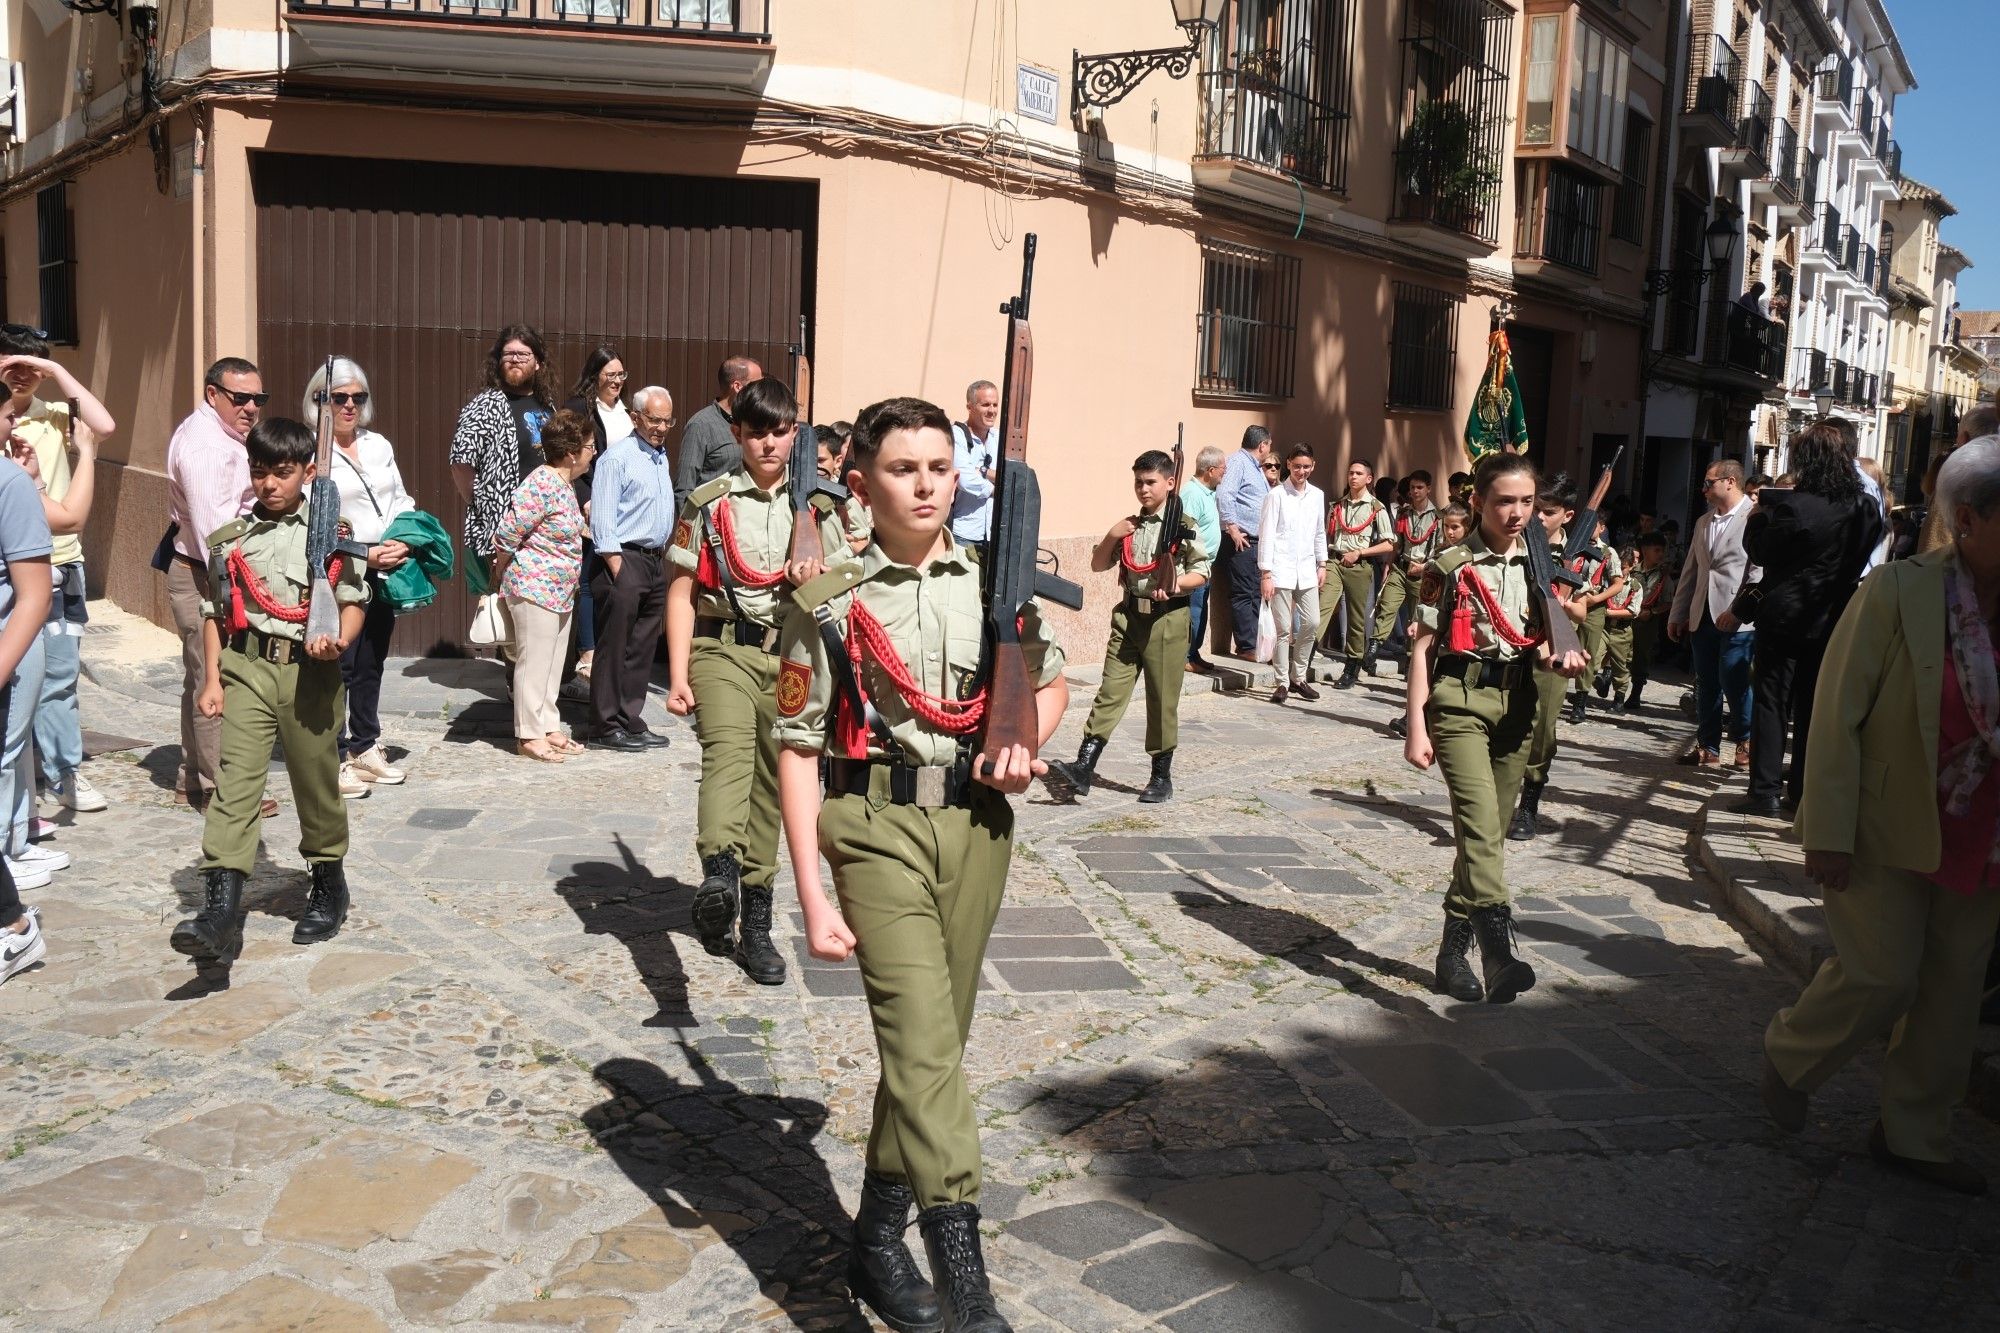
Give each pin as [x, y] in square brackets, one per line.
[410, 267]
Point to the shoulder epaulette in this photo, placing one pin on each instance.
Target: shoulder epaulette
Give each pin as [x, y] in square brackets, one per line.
[1449, 560]
[228, 533]
[823, 503]
[709, 491]
[819, 591]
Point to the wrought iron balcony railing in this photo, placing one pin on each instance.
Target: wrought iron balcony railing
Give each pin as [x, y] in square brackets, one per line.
[716, 20]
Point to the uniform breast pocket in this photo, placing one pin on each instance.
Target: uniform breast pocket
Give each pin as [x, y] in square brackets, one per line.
[965, 646]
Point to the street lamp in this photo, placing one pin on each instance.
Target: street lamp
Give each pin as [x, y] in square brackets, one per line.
[1099, 81]
[1823, 400]
[1720, 241]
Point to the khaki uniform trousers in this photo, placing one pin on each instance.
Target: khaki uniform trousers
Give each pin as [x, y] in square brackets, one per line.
[1910, 962]
[736, 706]
[300, 705]
[920, 889]
[1618, 652]
[1481, 736]
[1153, 644]
[201, 737]
[1350, 586]
[1397, 588]
[1594, 636]
[1549, 691]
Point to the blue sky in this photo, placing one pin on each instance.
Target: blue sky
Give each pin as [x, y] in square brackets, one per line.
[1944, 130]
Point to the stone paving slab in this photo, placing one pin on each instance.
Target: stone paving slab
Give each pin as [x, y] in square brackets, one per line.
[1214, 1094]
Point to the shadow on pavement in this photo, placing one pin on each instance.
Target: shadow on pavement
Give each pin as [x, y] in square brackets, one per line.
[1309, 945]
[644, 913]
[708, 1145]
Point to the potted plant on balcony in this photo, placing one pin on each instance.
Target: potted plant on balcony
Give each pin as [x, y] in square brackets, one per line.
[1448, 175]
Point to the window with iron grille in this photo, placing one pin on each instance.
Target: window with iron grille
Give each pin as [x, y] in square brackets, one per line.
[1561, 215]
[1283, 96]
[1423, 348]
[1455, 66]
[1246, 332]
[1628, 206]
[56, 251]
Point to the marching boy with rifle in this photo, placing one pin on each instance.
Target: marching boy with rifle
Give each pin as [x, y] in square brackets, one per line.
[1357, 530]
[1160, 563]
[288, 599]
[743, 542]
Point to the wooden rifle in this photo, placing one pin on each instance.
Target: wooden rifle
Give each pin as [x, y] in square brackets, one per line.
[1012, 573]
[1166, 572]
[805, 482]
[802, 374]
[323, 537]
[1583, 528]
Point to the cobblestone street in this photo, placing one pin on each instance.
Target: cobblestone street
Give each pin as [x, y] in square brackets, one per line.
[1217, 1093]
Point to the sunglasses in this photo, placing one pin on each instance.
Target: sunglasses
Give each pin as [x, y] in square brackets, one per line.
[344, 399]
[27, 330]
[240, 398]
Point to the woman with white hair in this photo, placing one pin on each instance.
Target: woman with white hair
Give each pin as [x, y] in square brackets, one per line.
[1901, 825]
[372, 494]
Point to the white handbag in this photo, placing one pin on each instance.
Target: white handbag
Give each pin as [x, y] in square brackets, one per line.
[491, 625]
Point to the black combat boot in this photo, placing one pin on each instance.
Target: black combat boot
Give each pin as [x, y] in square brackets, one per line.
[1161, 788]
[1604, 683]
[1578, 701]
[326, 905]
[1370, 663]
[760, 961]
[1523, 827]
[881, 1272]
[1506, 975]
[951, 1239]
[1349, 676]
[215, 933]
[1631, 704]
[1454, 975]
[1080, 773]
[715, 903]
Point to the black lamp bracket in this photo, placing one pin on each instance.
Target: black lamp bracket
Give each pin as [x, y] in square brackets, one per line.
[1103, 80]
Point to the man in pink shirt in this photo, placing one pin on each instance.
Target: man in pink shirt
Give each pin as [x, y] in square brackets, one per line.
[208, 485]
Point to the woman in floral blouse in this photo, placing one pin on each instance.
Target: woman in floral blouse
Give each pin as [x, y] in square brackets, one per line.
[537, 556]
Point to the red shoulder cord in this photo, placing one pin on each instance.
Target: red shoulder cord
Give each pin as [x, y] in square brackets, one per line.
[740, 570]
[1470, 585]
[1339, 525]
[867, 639]
[1652, 597]
[1403, 527]
[1131, 562]
[1596, 577]
[248, 584]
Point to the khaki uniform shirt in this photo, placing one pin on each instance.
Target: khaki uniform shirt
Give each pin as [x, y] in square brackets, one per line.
[1508, 580]
[1640, 584]
[1189, 555]
[762, 521]
[275, 550]
[1427, 523]
[1351, 513]
[935, 619]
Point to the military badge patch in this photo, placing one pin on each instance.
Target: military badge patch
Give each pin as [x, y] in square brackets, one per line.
[1431, 590]
[794, 685]
[684, 535]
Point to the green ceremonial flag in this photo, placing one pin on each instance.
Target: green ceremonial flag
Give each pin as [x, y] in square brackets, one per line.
[1496, 420]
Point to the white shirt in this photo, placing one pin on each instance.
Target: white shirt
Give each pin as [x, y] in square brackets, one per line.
[1291, 536]
[373, 494]
[972, 507]
[617, 421]
[1717, 568]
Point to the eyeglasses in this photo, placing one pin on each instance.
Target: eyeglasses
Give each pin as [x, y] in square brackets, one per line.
[343, 399]
[240, 398]
[614, 375]
[1709, 483]
[518, 356]
[658, 423]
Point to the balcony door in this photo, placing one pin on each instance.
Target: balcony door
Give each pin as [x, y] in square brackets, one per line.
[410, 267]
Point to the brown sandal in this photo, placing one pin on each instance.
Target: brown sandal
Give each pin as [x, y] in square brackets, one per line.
[565, 745]
[539, 751]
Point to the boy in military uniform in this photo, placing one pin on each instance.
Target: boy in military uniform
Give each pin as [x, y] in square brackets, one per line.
[1603, 573]
[1650, 594]
[1555, 508]
[1358, 530]
[918, 831]
[1419, 534]
[730, 571]
[1454, 526]
[1149, 629]
[1472, 711]
[1621, 613]
[268, 682]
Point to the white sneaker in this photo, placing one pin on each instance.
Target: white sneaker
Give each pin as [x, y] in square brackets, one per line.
[19, 952]
[26, 879]
[351, 786]
[77, 794]
[40, 858]
[374, 766]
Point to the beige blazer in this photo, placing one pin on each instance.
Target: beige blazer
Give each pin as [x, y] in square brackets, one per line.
[1872, 758]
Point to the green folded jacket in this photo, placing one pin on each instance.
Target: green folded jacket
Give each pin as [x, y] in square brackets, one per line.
[413, 584]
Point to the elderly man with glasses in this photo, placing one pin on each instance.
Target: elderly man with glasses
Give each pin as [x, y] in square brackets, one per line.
[631, 518]
[208, 485]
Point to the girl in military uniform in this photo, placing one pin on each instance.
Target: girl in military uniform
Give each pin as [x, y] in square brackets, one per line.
[881, 672]
[1472, 711]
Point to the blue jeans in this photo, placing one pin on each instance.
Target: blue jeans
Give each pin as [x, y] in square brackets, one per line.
[17, 784]
[1197, 622]
[58, 722]
[1721, 675]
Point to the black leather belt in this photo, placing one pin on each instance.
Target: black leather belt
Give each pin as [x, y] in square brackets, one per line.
[930, 788]
[1488, 672]
[627, 548]
[1146, 606]
[743, 633]
[270, 648]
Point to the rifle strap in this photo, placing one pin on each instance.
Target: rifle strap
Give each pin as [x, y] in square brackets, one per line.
[716, 572]
[854, 718]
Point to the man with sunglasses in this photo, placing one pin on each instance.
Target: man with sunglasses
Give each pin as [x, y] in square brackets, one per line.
[208, 485]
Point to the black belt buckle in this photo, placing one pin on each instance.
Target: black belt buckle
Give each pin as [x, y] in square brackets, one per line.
[267, 647]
